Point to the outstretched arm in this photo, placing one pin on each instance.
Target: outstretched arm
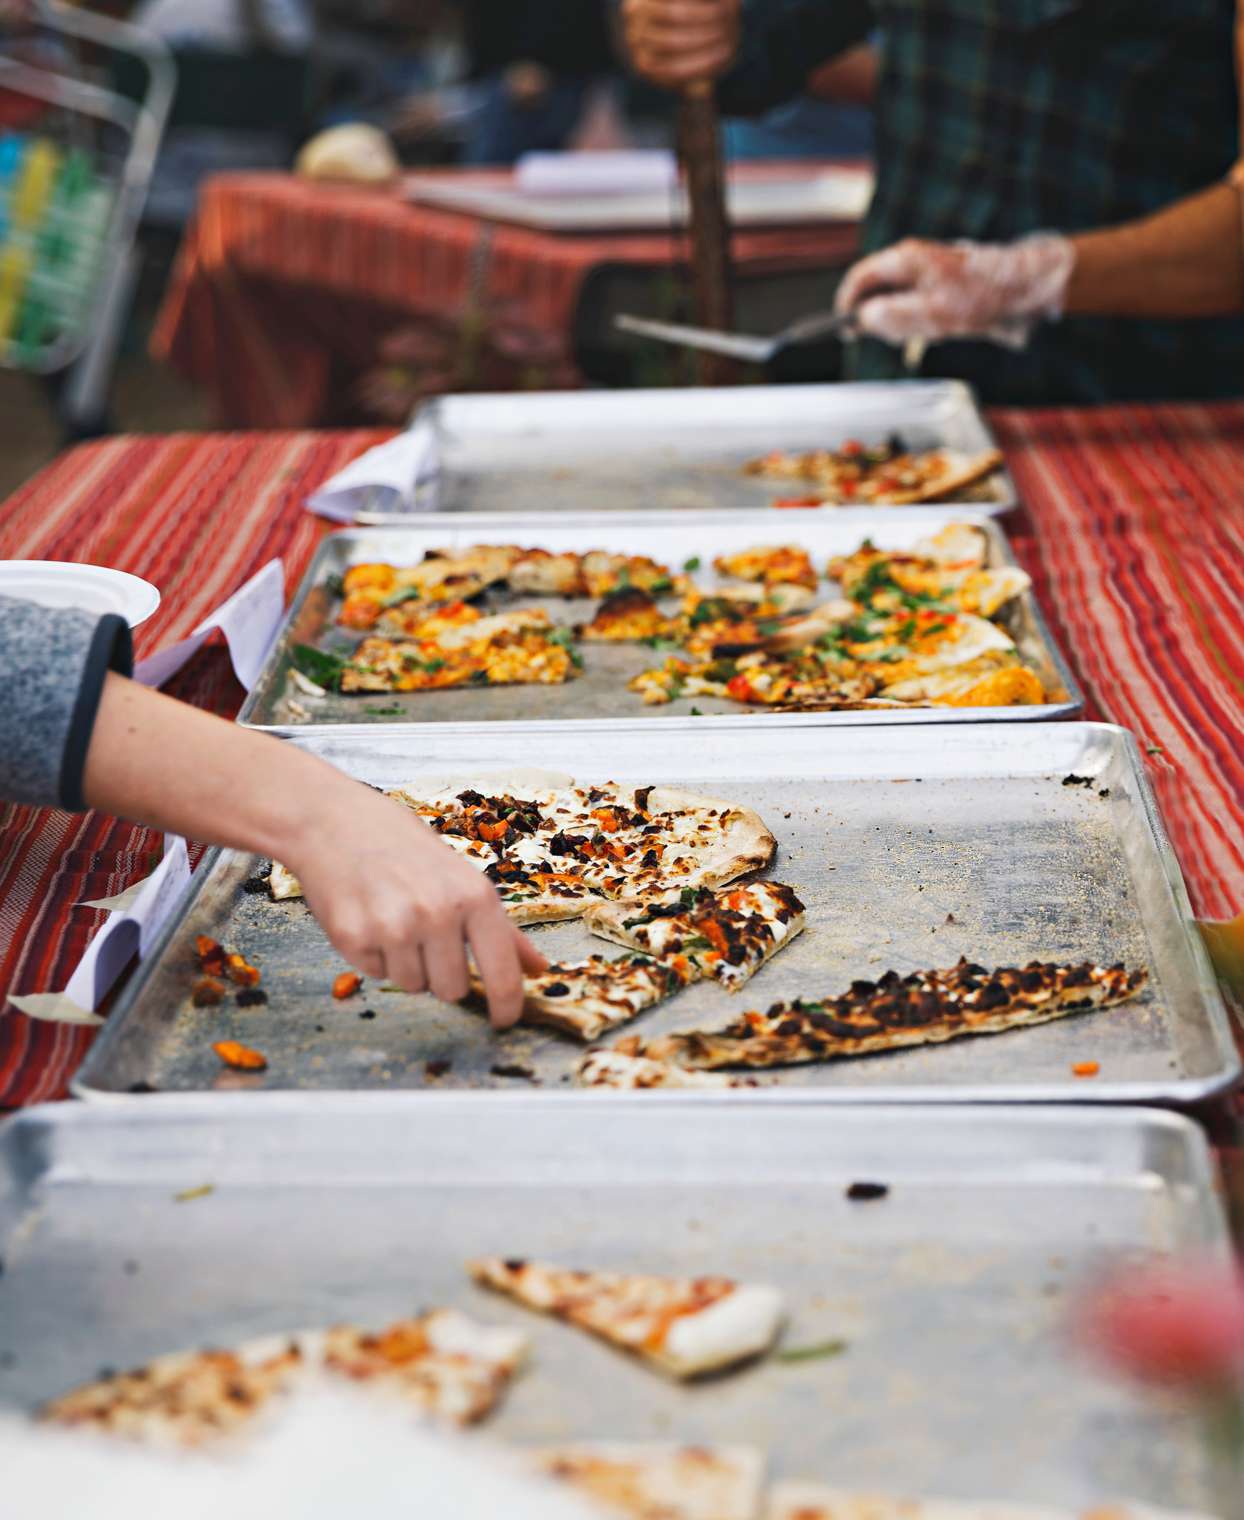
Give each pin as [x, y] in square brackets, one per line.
[395, 900]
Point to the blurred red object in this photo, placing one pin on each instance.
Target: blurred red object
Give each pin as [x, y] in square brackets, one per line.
[1175, 1325]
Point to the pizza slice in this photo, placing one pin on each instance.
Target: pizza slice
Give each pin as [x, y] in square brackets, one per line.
[925, 1008]
[770, 564]
[893, 582]
[658, 1482]
[980, 683]
[685, 1326]
[880, 474]
[727, 934]
[759, 678]
[623, 1066]
[539, 572]
[628, 617]
[186, 1399]
[815, 1501]
[371, 590]
[443, 1364]
[585, 999]
[511, 649]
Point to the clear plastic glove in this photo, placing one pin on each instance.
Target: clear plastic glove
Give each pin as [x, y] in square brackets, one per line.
[930, 292]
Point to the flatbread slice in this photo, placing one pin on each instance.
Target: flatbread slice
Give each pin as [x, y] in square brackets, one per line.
[585, 999]
[627, 617]
[621, 1066]
[727, 934]
[442, 1364]
[816, 1501]
[925, 1008]
[981, 683]
[657, 1482]
[770, 564]
[685, 1326]
[951, 474]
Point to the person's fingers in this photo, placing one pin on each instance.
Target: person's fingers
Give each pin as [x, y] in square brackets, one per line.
[898, 319]
[533, 963]
[405, 965]
[893, 269]
[674, 71]
[497, 947]
[444, 956]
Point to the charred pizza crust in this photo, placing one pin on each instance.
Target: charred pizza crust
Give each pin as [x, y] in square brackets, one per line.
[925, 1008]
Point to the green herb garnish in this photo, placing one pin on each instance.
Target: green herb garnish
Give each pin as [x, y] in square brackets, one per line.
[689, 896]
[335, 583]
[696, 713]
[661, 585]
[403, 594]
[812, 1353]
[692, 564]
[324, 669]
[662, 646]
[393, 711]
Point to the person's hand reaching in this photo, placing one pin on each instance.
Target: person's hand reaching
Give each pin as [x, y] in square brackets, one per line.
[402, 907]
[673, 43]
[932, 292]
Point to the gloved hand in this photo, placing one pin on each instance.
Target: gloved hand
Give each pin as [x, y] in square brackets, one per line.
[930, 292]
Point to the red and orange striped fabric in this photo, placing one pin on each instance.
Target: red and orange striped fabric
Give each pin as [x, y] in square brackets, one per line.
[1133, 530]
[245, 315]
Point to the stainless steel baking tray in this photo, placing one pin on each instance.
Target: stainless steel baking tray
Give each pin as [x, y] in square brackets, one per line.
[604, 451]
[953, 1294]
[910, 847]
[599, 693]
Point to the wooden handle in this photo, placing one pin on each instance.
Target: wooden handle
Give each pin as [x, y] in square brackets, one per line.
[700, 153]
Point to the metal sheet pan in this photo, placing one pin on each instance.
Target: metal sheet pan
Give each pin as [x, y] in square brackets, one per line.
[910, 847]
[953, 1293]
[599, 694]
[814, 197]
[607, 451]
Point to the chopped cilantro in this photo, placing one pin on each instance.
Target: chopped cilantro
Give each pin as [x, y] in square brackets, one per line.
[698, 942]
[692, 564]
[324, 669]
[812, 1353]
[660, 586]
[335, 584]
[564, 636]
[689, 896]
[696, 713]
[403, 594]
[1154, 749]
[663, 646]
[768, 627]
[393, 711]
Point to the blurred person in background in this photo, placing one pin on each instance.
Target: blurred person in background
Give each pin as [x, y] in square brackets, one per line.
[243, 72]
[1045, 170]
[833, 117]
[534, 63]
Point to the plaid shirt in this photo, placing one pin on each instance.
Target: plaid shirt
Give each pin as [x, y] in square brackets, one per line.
[998, 118]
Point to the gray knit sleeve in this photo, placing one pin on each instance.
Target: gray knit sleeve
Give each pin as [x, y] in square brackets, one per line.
[54, 663]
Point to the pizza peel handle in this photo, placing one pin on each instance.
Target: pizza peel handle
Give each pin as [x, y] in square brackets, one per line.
[700, 154]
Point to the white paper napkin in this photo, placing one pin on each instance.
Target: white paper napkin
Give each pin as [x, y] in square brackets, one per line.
[128, 930]
[385, 479]
[249, 620]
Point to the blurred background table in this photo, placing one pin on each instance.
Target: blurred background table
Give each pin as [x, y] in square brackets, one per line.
[1133, 531]
[286, 293]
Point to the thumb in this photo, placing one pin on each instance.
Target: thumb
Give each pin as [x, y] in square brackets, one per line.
[897, 319]
[529, 958]
[896, 268]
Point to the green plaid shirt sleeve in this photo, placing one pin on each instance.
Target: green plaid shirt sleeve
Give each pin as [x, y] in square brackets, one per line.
[999, 118]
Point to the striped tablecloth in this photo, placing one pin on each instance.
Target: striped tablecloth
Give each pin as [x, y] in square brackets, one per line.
[246, 315]
[1133, 530]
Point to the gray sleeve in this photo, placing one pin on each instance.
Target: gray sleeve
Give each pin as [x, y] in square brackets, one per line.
[55, 663]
